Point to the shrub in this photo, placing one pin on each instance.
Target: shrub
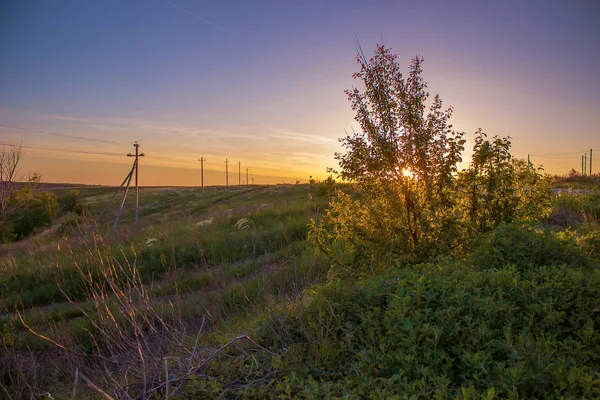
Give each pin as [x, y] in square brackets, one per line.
[412, 204]
[32, 210]
[500, 189]
[589, 239]
[72, 202]
[327, 187]
[443, 331]
[402, 160]
[7, 232]
[527, 247]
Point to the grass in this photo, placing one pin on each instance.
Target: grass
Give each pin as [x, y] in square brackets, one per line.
[203, 276]
[208, 265]
[576, 181]
[222, 258]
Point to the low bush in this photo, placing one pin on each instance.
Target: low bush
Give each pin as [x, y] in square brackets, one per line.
[29, 212]
[434, 331]
[72, 202]
[589, 239]
[527, 247]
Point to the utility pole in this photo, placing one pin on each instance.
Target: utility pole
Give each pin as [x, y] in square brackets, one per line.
[590, 162]
[128, 180]
[252, 180]
[202, 159]
[585, 163]
[116, 221]
[239, 173]
[136, 164]
[582, 167]
[227, 172]
[247, 182]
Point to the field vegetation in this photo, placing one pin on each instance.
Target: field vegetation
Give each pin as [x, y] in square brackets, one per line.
[412, 279]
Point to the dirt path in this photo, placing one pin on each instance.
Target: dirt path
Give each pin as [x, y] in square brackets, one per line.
[156, 300]
[28, 241]
[267, 269]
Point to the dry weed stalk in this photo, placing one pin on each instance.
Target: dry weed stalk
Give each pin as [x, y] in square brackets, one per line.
[136, 348]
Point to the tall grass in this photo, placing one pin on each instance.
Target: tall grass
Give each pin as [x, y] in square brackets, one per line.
[128, 315]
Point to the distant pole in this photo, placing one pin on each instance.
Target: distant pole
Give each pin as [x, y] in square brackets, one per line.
[590, 162]
[252, 180]
[239, 173]
[136, 163]
[202, 159]
[582, 168]
[227, 172]
[585, 162]
[247, 182]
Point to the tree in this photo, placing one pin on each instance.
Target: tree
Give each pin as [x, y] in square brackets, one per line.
[10, 156]
[498, 188]
[22, 209]
[32, 210]
[412, 204]
[403, 160]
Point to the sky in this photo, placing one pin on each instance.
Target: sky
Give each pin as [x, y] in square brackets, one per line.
[262, 82]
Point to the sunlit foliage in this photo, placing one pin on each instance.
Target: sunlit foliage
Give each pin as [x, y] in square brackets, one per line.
[412, 204]
[497, 188]
[404, 213]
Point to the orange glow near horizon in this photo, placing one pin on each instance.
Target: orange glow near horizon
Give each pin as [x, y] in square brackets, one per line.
[268, 88]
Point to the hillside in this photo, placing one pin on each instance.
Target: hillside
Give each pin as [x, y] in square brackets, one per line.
[231, 276]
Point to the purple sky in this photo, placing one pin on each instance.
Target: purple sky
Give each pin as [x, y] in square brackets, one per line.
[263, 81]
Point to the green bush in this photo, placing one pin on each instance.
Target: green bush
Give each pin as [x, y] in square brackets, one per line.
[527, 247]
[413, 205]
[29, 211]
[7, 232]
[440, 331]
[72, 202]
[327, 187]
[589, 239]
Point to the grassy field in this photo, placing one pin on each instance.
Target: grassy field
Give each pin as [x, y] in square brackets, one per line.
[223, 257]
[185, 241]
[223, 295]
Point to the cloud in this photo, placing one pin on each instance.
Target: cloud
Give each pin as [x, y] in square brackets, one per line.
[136, 126]
[267, 150]
[301, 137]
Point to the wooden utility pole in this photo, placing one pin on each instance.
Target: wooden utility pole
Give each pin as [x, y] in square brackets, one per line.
[202, 159]
[584, 163]
[247, 182]
[227, 172]
[239, 173]
[113, 196]
[136, 164]
[590, 162]
[116, 221]
[582, 167]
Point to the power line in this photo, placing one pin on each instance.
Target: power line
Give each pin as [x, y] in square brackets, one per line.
[60, 134]
[174, 159]
[557, 158]
[61, 150]
[558, 154]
